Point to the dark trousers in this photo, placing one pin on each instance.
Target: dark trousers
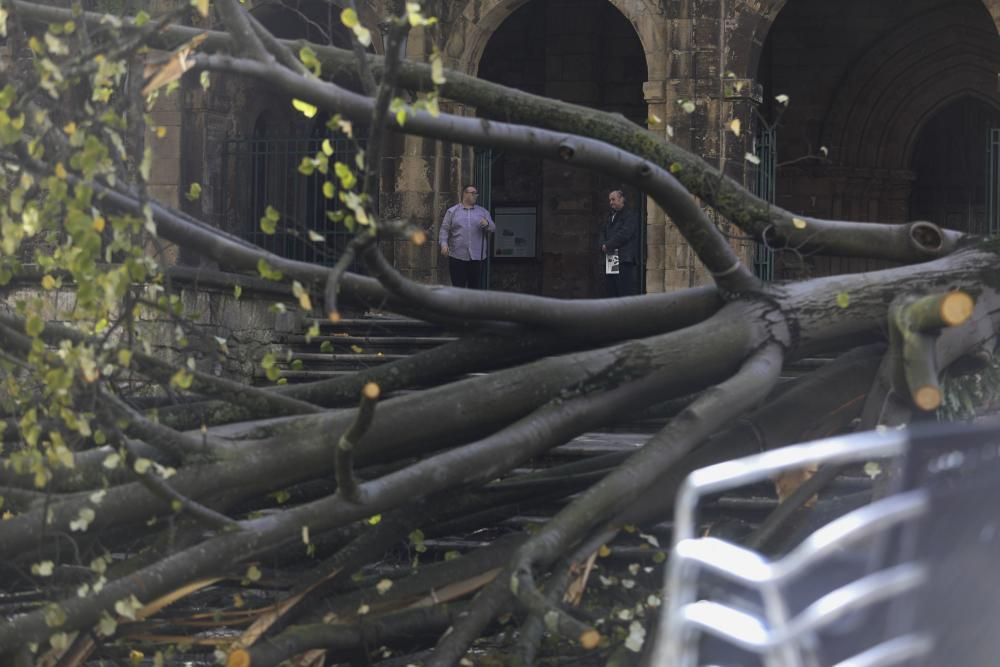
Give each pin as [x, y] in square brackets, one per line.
[625, 282]
[466, 273]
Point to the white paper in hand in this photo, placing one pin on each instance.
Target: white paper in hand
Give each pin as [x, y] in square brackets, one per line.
[611, 263]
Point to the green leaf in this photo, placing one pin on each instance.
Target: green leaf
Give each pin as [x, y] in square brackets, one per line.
[42, 569]
[269, 223]
[54, 615]
[349, 18]
[146, 166]
[107, 625]
[308, 110]
[34, 325]
[309, 59]
[182, 379]
[266, 271]
[417, 539]
[328, 192]
[843, 299]
[307, 166]
[268, 361]
[437, 70]
[194, 192]
[347, 178]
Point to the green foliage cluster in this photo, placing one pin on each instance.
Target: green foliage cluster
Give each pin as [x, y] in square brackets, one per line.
[67, 126]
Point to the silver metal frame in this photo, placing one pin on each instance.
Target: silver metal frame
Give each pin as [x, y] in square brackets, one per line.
[778, 637]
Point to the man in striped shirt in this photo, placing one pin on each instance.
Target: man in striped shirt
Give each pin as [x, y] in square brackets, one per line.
[463, 239]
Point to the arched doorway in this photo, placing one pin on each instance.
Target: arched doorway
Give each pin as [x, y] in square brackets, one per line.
[951, 163]
[861, 81]
[594, 59]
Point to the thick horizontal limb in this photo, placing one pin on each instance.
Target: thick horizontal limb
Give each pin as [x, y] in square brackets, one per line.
[626, 483]
[475, 463]
[703, 236]
[912, 242]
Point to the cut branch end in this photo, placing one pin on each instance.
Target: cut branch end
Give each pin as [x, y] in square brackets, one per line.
[927, 398]
[590, 639]
[371, 391]
[333, 316]
[238, 658]
[956, 308]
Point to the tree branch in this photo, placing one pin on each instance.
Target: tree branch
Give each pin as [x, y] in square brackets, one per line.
[915, 322]
[613, 493]
[242, 32]
[347, 484]
[910, 242]
[704, 238]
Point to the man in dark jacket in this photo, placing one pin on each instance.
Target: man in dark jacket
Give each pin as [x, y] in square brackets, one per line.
[620, 238]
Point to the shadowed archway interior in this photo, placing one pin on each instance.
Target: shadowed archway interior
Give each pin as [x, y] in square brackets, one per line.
[862, 80]
[581, 51]
[950, 163]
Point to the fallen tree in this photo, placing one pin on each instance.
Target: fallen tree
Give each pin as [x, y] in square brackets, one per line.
[115, 512]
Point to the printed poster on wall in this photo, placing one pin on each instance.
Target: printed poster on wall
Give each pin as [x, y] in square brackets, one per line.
[516, 229]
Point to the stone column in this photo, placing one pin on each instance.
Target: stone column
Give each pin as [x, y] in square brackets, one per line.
[694, 113]
[658, 259]
[421, 178]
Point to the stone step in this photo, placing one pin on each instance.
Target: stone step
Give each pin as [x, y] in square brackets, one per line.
[368, 341]
[349, 358]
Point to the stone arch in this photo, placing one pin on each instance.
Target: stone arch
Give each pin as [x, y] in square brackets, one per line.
[945, 156]
[958, 94]
[901, 82]
[752, 22]
[750, 26]
[481, 19]
[596, 60]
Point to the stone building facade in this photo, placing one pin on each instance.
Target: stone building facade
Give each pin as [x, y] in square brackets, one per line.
[893, 113]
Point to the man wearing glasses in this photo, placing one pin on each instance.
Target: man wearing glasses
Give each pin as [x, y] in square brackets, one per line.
[463, 239]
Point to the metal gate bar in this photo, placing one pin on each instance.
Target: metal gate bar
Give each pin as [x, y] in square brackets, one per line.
[765, 148]
[993, 182]
[262, 172]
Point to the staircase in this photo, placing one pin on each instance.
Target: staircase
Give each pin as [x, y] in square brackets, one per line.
[372, 339]
[352, 344]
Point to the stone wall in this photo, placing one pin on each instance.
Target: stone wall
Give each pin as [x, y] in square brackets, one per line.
[865, 80]
[852, 69]
[594, 58]
[250, 325]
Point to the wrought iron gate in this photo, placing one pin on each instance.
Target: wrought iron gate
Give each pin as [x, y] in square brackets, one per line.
[993, 182]
[483, 179]
[262, 172]
[765, 148]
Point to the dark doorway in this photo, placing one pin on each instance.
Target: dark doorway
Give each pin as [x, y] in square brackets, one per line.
[860, 78]
[950, 163]
[581, 51]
